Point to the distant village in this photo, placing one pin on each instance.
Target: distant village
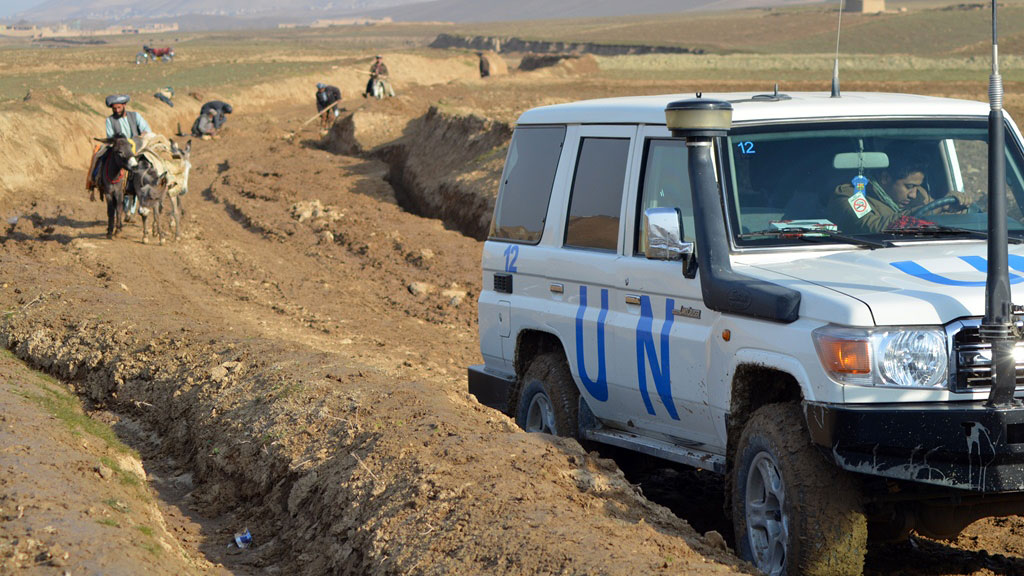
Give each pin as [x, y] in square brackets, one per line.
[326, 23]
[28, 30]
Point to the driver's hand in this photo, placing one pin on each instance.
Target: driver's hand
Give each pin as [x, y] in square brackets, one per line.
[965, 199]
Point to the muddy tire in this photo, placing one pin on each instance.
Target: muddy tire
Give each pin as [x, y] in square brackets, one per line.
[794, 513]
[549, 401]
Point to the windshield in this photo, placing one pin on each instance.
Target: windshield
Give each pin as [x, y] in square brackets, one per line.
[865, 181]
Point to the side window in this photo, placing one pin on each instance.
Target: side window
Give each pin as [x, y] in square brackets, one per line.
[665, 183]
[970, 170]
[522, 204]
[596, 198]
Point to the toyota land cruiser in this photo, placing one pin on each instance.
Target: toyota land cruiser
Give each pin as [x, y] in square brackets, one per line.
[736, 282]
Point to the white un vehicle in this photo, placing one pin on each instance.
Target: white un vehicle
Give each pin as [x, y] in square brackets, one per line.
[794, 291]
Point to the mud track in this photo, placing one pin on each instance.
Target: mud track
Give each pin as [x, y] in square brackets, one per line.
[298, 362]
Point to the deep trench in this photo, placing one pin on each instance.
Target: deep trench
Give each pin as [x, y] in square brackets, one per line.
[464, 140]
[409, 196]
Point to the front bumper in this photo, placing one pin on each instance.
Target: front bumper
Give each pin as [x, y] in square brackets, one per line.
[957, 445]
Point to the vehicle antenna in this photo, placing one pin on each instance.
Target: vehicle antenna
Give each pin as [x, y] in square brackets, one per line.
[835, 67]
[997, 326]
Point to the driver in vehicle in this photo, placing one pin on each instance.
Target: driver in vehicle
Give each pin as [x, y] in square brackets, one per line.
[866, 206]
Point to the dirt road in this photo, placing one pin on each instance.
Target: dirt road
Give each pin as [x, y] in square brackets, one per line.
[296, 366]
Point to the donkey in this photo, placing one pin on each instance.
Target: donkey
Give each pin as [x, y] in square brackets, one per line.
[114, 174]
[158, 190]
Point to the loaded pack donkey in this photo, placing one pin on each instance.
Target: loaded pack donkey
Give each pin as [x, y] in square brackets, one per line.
[161, 179]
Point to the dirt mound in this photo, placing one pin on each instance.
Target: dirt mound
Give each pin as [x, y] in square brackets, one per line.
[561, 64]
[537, 61]
[498, 66]
[364, 130]
[448, 167]
[585, 64]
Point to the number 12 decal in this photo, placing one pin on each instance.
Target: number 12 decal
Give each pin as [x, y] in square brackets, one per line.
[511, 255]
[746, 147]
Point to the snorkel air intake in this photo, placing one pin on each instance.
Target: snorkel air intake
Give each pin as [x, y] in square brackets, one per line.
[700, 121]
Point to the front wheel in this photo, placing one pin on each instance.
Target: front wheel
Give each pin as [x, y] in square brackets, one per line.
[794, 513]
[549, 400]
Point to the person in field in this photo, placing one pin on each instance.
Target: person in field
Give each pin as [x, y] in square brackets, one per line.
[327, 96]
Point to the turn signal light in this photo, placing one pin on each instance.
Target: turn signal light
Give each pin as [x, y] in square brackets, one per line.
[845, 356]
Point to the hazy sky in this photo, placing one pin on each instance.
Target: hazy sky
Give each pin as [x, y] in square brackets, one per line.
[9, 7]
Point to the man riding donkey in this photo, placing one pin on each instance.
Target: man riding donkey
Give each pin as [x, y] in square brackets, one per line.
[113, 157]
[379, 72]
[115, 161]
[121, 122]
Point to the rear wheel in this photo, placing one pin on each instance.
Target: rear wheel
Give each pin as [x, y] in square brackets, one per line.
[549, 400]
[794, 513]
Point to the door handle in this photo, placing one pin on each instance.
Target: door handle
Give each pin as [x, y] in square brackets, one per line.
[556, 288]
[632, 299]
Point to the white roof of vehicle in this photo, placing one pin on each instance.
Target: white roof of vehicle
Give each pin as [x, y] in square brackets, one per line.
[801, 105]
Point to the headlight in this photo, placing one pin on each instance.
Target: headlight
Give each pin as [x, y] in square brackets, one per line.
[915, 358]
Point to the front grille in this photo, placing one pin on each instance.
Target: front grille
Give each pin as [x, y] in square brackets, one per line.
[973, 361]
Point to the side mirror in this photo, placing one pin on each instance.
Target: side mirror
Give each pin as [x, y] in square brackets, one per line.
[663, 229]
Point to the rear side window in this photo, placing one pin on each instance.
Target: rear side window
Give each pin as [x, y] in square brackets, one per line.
[597, 194]
[526, 183]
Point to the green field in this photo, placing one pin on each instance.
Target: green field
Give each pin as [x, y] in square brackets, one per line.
[203, 61]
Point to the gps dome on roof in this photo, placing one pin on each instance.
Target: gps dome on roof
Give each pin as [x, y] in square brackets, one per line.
[698, 117]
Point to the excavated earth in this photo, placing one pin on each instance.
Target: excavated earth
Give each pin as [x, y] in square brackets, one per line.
[295, 365]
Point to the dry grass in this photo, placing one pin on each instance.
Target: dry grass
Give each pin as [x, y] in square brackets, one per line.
[808, 67]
